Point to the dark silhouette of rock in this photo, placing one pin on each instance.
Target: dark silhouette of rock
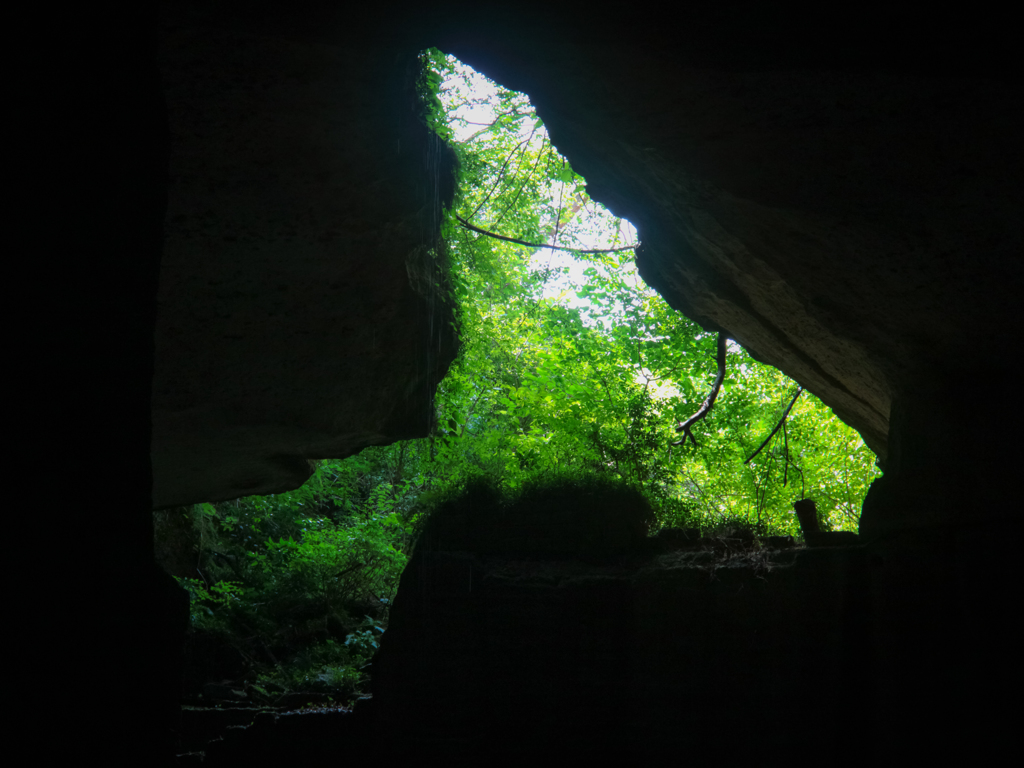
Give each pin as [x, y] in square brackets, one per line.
[487, 658]
[843, 198]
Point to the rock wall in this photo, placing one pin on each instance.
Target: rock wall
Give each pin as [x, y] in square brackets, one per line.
[712, 653]
[838, 190]
[301, 311]
[693, 649]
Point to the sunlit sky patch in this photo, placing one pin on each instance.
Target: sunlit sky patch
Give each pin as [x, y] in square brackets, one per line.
[476, 96]
[469, 99]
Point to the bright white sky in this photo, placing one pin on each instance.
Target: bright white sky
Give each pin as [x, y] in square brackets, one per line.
[594, 228]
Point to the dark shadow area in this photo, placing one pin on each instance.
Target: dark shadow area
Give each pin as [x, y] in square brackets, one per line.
[680, 642]
[845, 200]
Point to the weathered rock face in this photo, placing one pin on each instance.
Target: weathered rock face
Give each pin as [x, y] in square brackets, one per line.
[691, 652]
[848, 217]
[300, 315]
[862, 653]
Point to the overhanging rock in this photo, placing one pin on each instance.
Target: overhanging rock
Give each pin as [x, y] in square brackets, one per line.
[301, 311]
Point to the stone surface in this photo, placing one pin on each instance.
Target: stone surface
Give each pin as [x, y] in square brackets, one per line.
[299, 310]
[717, 651]
[708, 651]
[201, 724]
[316, 738]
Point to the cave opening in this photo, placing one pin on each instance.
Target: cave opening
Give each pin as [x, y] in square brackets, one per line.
[867, 173]
[572, 370]
[574, 326]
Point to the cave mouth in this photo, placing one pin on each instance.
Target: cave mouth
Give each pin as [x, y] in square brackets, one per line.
[571, 368]
[931, 156]
[517, 193]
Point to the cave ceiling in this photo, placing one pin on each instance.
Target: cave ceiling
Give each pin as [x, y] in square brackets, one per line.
[846, 205]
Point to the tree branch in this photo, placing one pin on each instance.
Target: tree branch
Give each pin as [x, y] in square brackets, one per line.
[777, 426]
[516, 240]
[709, 402]
[487, 126]
[504, 165]
[533, 170]
[785, 450]
[576, 205]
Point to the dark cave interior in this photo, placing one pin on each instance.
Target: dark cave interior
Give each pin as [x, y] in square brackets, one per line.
[246, 189]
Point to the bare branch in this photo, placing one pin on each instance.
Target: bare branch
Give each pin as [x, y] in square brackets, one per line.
[487, 126]
[777, 426]
[522, 186]
[516, 240]
[709, 402]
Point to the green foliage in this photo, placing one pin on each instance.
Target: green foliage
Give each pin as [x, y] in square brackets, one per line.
[203, 600]
[300, 583]
[329, 666]
[428, 86]
[572, 366]
[333, 565]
